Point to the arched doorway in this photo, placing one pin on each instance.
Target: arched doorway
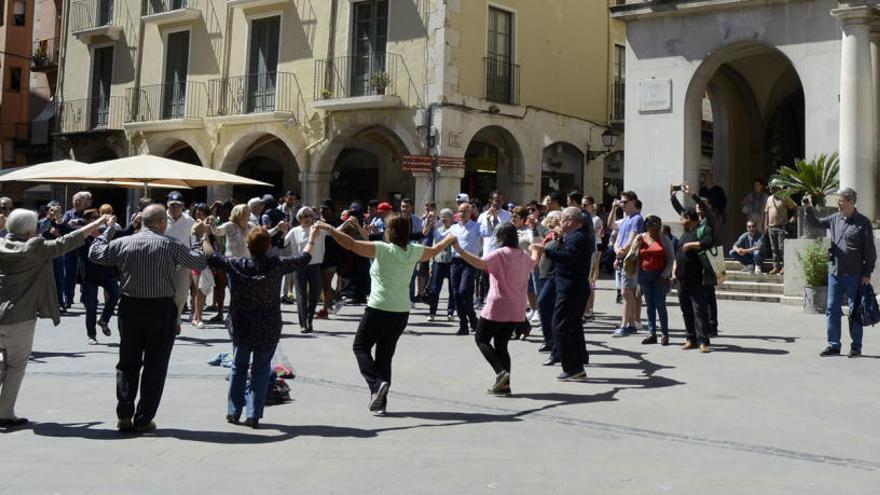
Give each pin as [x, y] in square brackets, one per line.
[183, 152]
[369, 167]
[493, 160]
[747, 101]
[268, 160]
[562, 169]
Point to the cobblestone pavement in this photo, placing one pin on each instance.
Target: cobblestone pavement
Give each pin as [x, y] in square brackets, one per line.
[761, 414]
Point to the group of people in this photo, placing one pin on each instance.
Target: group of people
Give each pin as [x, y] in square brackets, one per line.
[516, 264]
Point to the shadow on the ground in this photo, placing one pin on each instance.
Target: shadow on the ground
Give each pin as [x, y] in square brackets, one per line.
[40, 357]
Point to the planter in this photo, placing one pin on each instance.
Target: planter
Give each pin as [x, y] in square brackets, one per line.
[815, 299]
[807, 232]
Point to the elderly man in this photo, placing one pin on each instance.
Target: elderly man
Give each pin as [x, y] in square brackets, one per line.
[73, 219]
[851, 261]
[6, 206]
[572, 257]
[179, 227]
[256, 207]
[462, 274]
[494, 215]
[149, 264]
[27, 292]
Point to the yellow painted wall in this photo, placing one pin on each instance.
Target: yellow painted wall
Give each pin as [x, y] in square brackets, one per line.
[561, 46]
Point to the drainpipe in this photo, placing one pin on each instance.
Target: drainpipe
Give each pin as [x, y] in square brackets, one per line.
[138, 68]
[59, 82]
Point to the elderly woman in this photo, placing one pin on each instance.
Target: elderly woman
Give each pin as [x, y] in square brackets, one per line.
[509, 269]
[254, 320]
[236, 231]
[308, 280]
[387, 311]
[27, 292]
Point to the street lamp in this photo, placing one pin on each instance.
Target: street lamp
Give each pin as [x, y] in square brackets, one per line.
[609, 139]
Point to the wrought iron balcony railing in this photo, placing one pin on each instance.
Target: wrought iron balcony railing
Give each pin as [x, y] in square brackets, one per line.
[502, 80]
[91, 114]
[90, 14]
[162, 6]
[261, 92]
[178, 100]
[44, 55]
[618, 102]
[365, 75]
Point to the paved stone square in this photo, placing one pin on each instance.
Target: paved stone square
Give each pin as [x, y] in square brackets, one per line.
[761, 414]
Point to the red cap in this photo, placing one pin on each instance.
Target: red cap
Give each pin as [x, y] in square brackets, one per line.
[384, 207]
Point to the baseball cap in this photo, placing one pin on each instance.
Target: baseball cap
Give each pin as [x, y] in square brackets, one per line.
[174, 197]
[384, 206]
[462, 198]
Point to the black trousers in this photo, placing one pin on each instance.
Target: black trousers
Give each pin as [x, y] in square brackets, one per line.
[381, 329]
[307, 282]
[500, 332]
[695, 310]
[147, 329]
[568, 329]
[712, 309]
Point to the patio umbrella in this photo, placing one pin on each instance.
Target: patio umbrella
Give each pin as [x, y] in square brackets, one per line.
[50, 171]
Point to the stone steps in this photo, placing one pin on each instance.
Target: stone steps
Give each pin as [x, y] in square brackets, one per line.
[749, 287]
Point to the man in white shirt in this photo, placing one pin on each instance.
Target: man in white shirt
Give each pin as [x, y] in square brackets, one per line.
[494, 216]
[180, 229]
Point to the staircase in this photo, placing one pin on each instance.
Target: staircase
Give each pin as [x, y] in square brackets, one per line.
[741, 286]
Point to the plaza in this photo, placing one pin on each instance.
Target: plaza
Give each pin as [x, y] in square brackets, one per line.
[760, 414]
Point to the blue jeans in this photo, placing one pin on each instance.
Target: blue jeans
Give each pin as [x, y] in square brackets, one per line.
[440, 273]
[837, 287]
[90, 295]
[756, 258]
[258, 388]
[655, 299]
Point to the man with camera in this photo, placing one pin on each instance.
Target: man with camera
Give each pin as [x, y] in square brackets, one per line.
[851, 260]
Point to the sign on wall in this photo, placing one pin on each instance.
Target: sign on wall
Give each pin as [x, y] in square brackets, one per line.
[416, 163]
[655, 95]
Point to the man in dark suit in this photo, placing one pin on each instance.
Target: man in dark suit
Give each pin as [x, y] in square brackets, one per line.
[572, 256]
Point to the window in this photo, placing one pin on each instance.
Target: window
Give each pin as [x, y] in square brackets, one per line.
[15, 79]
[18, 13]
[501, 73]
[619, 89]
[370, 40]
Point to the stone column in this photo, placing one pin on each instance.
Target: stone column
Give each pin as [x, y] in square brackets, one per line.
[857, 107]
[447, 187]
[315, 186]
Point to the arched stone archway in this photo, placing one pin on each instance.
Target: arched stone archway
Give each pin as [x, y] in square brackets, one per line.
[494, 160]
[562, 168]
[744, 117]
[183, 152]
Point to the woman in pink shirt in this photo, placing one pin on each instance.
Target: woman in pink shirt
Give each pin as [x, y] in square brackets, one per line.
[509, 269]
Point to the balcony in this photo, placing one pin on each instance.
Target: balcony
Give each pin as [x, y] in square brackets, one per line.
[502, 81]
[94, 19]
[171, 106]
[249, 4]
[380, 80]
[105, 113]
[161, 12]
[256, 97]
[44, 57]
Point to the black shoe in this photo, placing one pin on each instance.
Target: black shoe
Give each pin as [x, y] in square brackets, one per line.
[713, 333]
[13, 422]
[855, 352]
[550, 362]
[830, 351]
[544, 348]
[650, 339]
[252, 423]
[286, 300]
[233, 420]
[216, 319]
[124, 426]
[462, 331]
[619, 298]
[378, 399]
[147, 428]
[306, 329]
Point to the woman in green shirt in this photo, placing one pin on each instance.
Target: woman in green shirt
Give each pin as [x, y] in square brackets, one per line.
[388, 306]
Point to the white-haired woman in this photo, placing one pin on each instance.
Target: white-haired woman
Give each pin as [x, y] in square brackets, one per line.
[236, 231]
[441, 269]
[27, 292]
[308, 281]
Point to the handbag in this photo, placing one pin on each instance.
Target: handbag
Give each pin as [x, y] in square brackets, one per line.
[631, 260]
[867, 311]
[712, 259]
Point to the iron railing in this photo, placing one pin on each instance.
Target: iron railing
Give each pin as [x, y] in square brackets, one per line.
[365, 75]
[90, 14]
[177, 100]
[618, 101]
[502, 80]
[161, 6]
[90, 114]
[45, 54]
[254, 93]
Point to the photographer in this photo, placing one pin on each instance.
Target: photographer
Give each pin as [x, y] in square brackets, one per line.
[851, 260]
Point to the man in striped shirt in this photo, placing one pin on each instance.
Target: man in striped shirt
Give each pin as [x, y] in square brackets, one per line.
[148, 261]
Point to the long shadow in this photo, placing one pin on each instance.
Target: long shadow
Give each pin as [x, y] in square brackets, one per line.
[287, 432]
[40, 357]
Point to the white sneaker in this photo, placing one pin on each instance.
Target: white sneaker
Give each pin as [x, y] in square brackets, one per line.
[199, 324]
[536, 317]
[748, 269]
[638, 326]
[758, 270]
[450, 317]
[337, 306]
[412, 305]
[431, 318]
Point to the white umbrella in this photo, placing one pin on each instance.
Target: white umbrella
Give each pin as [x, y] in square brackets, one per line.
[64, 172]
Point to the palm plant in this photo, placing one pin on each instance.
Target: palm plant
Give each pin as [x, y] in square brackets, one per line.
[815, 178]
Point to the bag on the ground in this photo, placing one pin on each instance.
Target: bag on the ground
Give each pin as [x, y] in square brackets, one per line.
[867, 311]
[712, 259]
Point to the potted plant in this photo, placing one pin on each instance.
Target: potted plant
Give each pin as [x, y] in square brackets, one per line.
[814, 260]
[379, 81]
[816, 178]
[326, 93]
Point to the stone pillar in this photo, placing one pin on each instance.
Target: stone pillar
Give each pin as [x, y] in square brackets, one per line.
[447, 187]
[423, 189]
[857, 107]
[315, 187]
[219, 192]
